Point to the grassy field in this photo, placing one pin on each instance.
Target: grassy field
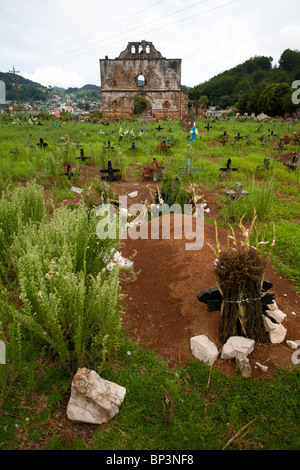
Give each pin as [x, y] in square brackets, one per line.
[51, 263]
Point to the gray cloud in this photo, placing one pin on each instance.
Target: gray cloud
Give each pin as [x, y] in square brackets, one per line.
[62, 41]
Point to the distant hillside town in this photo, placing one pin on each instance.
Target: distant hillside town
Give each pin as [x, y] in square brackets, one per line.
[25, 95]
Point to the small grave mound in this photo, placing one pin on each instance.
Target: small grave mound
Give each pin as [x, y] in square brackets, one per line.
[162, 309]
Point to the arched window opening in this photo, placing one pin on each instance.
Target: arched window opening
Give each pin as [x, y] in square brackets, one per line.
[147, 49]
[140, 48]
[132, 49]
[141, 80]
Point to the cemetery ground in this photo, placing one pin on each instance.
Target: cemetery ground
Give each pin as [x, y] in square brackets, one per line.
[173, 401]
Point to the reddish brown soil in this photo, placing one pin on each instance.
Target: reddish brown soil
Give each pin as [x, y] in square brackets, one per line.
[163, 313]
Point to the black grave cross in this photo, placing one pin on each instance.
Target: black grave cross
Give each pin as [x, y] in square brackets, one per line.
[82, 156]
[238, 137]
[68, 173]
[111, 176]
[108, 145]
[208, 127]
[228, 167]
[133, 147]
[224, 138]
[159, 128]
[42, 144]
[280, 145]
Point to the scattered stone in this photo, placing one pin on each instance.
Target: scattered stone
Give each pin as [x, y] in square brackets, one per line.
[269, 324]
[119, 260]
[93, 400]
[204, 349]
[277, 315]
[237, 345]
[272, 306]
[133, 194]
[76, 190]
[264, 368]
[243, 365]
[277, 335]
[292, 344]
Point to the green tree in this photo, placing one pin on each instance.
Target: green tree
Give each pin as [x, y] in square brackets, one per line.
[275, 100]
[289, 60]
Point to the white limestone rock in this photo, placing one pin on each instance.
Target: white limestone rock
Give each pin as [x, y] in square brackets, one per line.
[292, 344]
[243, 365]
[277, 315]
[237, 345]
[277, 335]
[93, 400]
[272, 306]
[269, 324]
[262, 367]
[204, 349]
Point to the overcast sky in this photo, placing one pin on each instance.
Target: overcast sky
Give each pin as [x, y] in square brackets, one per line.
[60, 42]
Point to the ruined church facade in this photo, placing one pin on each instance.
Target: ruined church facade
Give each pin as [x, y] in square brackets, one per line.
[142, 70]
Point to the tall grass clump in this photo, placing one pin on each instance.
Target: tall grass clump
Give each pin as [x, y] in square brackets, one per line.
[261, 200]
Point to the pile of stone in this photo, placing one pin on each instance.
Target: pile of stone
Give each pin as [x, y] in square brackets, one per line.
[273, 323]
[239, 347]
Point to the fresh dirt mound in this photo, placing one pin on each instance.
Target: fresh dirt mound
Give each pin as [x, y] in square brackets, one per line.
[163, 313]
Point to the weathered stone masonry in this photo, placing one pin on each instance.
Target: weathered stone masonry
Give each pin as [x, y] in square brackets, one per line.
[141, 70]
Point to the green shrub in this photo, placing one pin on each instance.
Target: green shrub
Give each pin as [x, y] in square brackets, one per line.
[19, 207]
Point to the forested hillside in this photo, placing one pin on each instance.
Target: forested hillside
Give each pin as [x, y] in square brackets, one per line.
[254, 86]
[28, 90]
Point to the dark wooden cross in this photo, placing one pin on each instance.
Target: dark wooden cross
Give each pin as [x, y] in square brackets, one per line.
[228, 167]
[42, 144]
[224, 138]
[133, 147]
[111, 176]
[280, 145]
[238, 137]
[68, 173]
[208, 127]
[159, 128]
[108, 145]
[213, 298]
[82, 156]
[272, 135]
